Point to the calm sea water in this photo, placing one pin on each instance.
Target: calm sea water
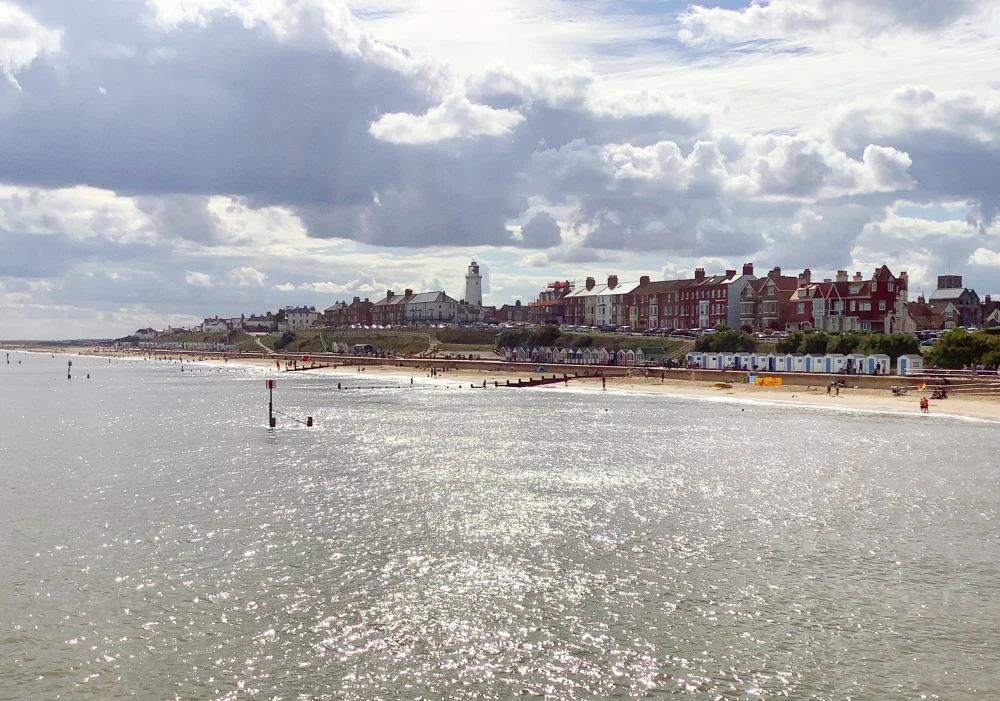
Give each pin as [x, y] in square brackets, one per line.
[157, 541]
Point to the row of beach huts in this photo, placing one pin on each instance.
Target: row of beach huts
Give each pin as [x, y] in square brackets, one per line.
[829, 364]
[586, 356]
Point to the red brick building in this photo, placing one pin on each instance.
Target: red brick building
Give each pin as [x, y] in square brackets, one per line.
[391, 311]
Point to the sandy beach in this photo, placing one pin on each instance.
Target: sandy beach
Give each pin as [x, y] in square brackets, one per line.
[980, 407]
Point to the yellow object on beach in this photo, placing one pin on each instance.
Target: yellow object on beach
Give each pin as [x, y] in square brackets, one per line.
[768, 382]
[923, 386]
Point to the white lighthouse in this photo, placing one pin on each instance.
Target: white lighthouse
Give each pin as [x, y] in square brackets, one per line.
[474, 285]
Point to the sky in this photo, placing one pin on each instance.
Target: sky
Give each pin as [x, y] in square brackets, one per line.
[162, 161]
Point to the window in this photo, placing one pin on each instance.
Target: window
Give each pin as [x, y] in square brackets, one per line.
[855, 289]
[881, 306]
[802, 307]
[874, 286]
[890, 286]
[852, 305]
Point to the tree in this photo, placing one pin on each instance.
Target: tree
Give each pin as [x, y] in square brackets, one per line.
[511, 338]
[815, 343]
[844, 344]
[285, 339]
[957, 349]
[545, 336]
[893, 345]
[792, 343]
[726, 342]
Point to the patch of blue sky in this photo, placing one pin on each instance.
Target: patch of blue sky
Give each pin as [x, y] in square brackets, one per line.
[934, 213]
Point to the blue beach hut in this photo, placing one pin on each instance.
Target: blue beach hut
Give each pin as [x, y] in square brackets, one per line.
[910, 365]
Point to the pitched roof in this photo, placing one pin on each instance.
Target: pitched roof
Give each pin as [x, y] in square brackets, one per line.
[953, 293]
[429, 297]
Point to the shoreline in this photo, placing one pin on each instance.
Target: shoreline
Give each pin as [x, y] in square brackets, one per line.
[813, 398]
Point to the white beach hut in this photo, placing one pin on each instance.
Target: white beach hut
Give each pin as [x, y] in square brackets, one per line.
[782, 362]
[878, 364]
[797, 362]
[639, 357]
[603, 356]
[835, 363]
[588, 356]
[728, 361]
[744, 361]
[910, 365]
[760, 362]
[816, 363]
[856, 363]
[712, 361]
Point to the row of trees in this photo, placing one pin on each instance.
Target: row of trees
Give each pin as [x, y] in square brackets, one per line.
[959, 349]
[814, 343]
[820, 343]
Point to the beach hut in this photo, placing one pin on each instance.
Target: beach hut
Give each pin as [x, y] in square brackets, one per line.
[728, 361]
[835, 363]
[797, 362]
[760, 362]
[816, 363]
[878, 364]
[588, 356]
[639, 357]
[744, 361]
[781, 363]
[910, 365]
[560, 355]
[603, 356]
[713, 361]
[654, 356]
[856, 363]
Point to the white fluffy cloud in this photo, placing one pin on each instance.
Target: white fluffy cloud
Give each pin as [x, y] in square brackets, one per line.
[22, 40]
[198, 279]
[246, 277]
[456, 117]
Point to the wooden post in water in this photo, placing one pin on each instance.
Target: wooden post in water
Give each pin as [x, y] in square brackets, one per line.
[271, 421]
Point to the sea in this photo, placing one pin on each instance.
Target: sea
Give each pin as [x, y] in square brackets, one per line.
[159, 541]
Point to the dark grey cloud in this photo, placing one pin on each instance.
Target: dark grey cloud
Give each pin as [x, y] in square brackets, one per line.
[541, 232]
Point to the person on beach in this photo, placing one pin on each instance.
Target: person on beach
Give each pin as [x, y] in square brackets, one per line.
[829, 389]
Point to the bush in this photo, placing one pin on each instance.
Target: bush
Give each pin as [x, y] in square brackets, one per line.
[545, 336]
[815, 343]
[844, 344]
[726, 342]
[285, 339]
[512, 338]
[792, 343]
[893, 345]
[957, 349]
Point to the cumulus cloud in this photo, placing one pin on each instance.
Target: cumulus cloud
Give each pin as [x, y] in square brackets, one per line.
[22, 40]
[197, 279]
[456, 117]
[541, 232]
[779, 19]
[246, 277]
[984, 256]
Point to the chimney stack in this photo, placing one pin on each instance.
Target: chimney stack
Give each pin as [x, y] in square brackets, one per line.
[591, 283]
[775, 274]
[748, 268]
[730, 274]
[643, 281]
[805, 278]
[858, 278]
[389, 295]
[699, 274]
[409, 293]
[904, 280]
[842, 276]
[612, 281]
[356, 300]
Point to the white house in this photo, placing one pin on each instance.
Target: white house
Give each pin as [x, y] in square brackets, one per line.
[145, 334]
[215, 325]
[299, 318]
[431, 308]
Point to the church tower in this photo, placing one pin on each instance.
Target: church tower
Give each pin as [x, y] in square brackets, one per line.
[474, 285]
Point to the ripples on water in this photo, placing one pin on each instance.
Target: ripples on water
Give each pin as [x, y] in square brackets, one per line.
[420, 543]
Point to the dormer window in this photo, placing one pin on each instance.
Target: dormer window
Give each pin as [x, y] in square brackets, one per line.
[855, 289]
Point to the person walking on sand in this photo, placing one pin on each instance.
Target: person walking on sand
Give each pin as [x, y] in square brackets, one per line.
[604, 383]
[838, 390]
[829, 389]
